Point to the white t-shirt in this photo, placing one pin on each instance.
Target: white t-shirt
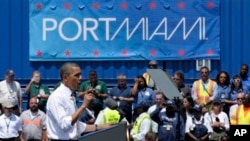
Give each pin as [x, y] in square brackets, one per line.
[10, 92]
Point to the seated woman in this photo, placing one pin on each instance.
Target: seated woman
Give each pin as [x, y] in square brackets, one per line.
[142, 93]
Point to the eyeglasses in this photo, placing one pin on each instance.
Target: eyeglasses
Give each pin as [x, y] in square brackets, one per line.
[239, 98]
[237, 80]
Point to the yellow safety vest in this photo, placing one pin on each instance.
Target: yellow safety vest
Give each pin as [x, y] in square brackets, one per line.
[239, 117]
[204, 93]
[138, 122]
[110, 116]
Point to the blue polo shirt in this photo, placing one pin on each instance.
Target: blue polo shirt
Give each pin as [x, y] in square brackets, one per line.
[145, 95]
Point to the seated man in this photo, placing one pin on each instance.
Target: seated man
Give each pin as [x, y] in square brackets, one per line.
[122, 95]
[96, 86]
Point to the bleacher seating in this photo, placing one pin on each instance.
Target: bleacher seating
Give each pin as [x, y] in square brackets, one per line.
[78, 100]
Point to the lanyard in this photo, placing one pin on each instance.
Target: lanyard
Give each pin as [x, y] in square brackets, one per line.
[10, 87]
[7, 123]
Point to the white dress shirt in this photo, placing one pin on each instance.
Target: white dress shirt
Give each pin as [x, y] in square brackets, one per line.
[60, 107]
[10, 126]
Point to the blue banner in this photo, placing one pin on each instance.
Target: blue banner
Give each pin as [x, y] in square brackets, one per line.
[124, 30]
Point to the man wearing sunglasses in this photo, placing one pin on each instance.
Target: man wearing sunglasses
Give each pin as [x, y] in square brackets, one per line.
[241, 114]
[10, 90]
[202, 89]
[239, 102]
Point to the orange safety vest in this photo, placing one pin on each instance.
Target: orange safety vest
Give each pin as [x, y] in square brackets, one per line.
[204, 92]
[240, 116]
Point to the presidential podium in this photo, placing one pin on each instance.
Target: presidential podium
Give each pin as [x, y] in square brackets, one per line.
[117, 132]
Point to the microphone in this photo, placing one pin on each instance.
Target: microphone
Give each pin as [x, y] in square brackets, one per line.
[111, 104]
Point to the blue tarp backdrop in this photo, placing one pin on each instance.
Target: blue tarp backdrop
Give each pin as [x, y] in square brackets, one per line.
[124, 29]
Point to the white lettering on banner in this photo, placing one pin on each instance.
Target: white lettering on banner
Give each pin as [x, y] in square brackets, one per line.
[45, 28]
[90, 26]
[90, 29]
[107, 20]
[78, 27]
[128, 36]
[162, 23]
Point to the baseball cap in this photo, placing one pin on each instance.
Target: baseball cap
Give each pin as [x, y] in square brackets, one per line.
[7, 104]
[170, 103]
[10, 73]
[197, 108]
[216, 102]
[153, 62]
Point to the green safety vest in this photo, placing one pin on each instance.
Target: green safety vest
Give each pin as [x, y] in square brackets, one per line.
[110, 116]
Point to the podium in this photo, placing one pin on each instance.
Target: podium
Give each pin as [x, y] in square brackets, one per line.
[117, 132]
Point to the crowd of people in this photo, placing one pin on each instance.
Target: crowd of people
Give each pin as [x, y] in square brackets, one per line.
[204, 112]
